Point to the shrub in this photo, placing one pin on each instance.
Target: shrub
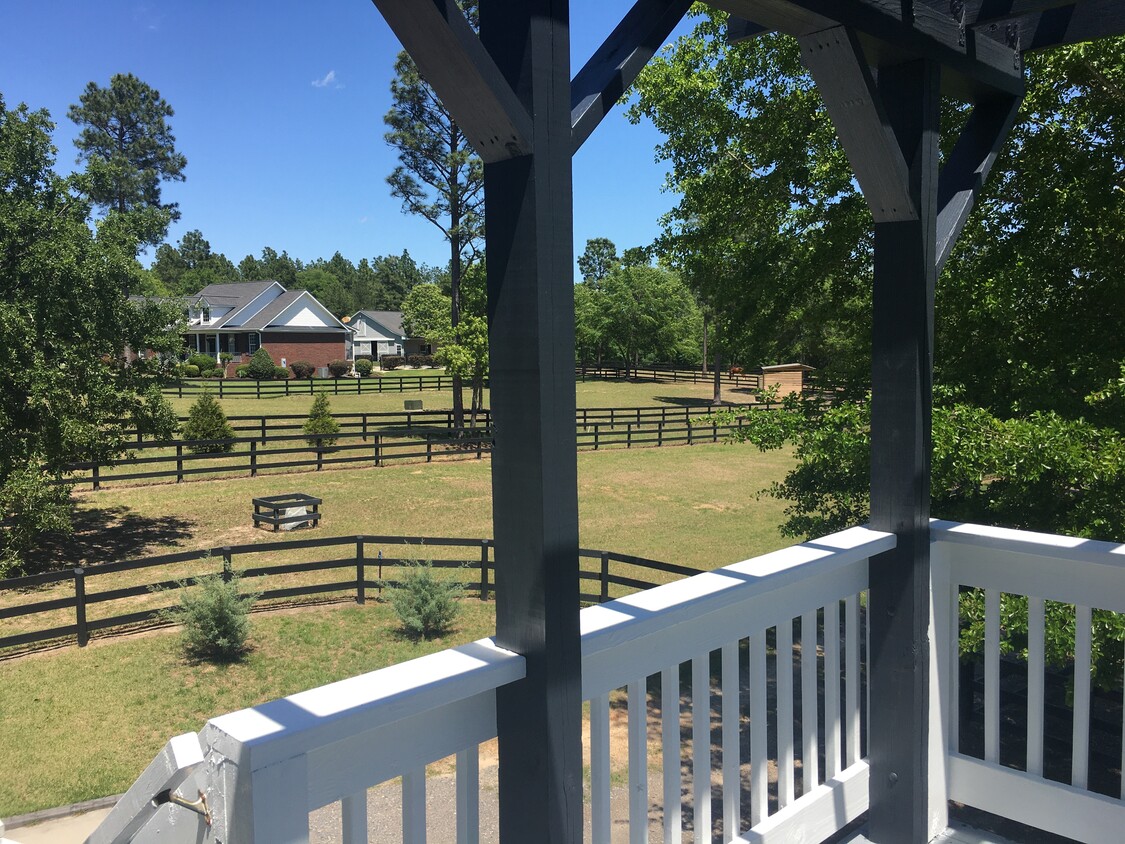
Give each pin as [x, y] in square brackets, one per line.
[203, 362]
[320, 421]
[225, 358]
[212, 373]
[391, 361]
[364, 357]
[242, 371]
[215, 619]
[302, 369]
[280, 373]
[191, 370]
[339, 368]
[425, 605]
[420, 360]
[364, 366]
[206, 421]
[261, 365]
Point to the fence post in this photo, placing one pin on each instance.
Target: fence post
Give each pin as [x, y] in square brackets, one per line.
[253, 458]
[179, 464]
[690, 431]
[319, 452]
[629, 435]
[596, 427]
[360, 572]
[660, 433]
[221, 387]
[258, 387]
[365, 427]
[378, 461]
[263, 429]
[714, 432]
[605, 576]
[484, 569]
[480, 444]
[228, 567]
[380, 578]
[80, 606]
[97, 478]
[429, 448]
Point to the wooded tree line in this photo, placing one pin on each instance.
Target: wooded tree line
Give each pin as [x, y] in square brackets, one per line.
[341, 286]
[771, 232]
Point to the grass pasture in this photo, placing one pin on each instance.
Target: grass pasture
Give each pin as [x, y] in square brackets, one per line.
[82, 722]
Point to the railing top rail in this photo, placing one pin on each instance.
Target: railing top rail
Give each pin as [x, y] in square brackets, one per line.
[291, 726]
[1071, 548]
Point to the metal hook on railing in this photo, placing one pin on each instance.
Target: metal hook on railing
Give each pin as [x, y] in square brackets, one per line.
[198, 806]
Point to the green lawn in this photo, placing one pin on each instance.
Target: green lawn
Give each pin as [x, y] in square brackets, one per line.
[80, 723]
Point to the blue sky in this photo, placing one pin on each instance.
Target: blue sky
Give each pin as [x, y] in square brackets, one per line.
[279, 110]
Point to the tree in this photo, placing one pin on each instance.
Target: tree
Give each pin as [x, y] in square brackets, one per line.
[591, 322]
[393, 277]
[128, 147]
[207, 421]
[425, 313]
[597, 259]
[650, 313]
[270, 267]
[66, 392]
[438, 177]
[326, 287]
[321, 423]
[466, 354]
[190, 265]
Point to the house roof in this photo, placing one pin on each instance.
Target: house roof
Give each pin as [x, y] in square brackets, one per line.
[235, 294]
[272, 310]
[390, 320]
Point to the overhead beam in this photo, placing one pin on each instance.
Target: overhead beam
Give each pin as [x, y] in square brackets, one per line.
[978, 12]
[835, 59]
[1085, 20]
[967, 167]
[453, 61]
[740, 29]
[910, 30]
[616, 63]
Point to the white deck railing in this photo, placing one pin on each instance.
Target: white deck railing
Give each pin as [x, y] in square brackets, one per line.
[264, 769]
[1084, 574]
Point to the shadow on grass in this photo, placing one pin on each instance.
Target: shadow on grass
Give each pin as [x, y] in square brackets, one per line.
[683, 401]
[107, 534]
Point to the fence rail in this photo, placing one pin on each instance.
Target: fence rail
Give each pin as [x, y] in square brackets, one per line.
[364, 562]
[376, 439]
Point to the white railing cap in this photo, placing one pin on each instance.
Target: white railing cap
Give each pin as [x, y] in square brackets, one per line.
[1052, 545]
[634, 615]
[289, 726]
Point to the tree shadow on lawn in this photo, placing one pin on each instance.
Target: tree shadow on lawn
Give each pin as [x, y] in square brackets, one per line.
[105, 535]
[683, 401]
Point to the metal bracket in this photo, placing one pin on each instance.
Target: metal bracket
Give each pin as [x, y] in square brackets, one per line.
[957, 10]
[198, 806]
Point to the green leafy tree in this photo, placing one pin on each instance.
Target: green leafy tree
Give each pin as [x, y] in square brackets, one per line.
[466, 354]
[261, 365]
[326, 288]
[207, 421]
[597, 259]
[190, 266]
[128, 147]
[425, 313]
[439, 177]
[271, 267]
[649, 314]
[65, 321]
[393, 276]
[321, 423]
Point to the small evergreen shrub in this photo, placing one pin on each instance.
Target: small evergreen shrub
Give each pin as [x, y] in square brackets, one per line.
[302, 369]
[389, 362]
[206, 421]
[204, 362]
[320, 421]
[338, 368]
[215, 618]
[261, 365]
[363, 366]
[426, 606]
[212, 373]
[191, 370]
[364, 357]
[281, 373]
[420, 360]
[242, 371]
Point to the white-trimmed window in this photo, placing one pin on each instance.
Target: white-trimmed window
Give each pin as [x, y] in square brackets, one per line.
[255, 340]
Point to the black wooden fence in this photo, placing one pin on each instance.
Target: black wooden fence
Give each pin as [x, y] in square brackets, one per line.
[362, 571]
[364, 440]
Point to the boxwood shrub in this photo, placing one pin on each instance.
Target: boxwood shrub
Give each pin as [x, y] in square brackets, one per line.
[302, 369]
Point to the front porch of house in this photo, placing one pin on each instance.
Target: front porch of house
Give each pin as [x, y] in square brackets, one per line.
[755, 674]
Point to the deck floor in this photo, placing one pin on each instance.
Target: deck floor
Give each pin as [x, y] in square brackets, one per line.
[958, 833]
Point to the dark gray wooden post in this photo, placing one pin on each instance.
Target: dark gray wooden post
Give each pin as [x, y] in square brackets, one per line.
[534, 465]
[80, 606]
[902, 386]
[484, 569]
[228, 564]
[360, 571]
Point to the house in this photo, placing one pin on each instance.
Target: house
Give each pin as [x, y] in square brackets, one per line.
[378, 333]
[242, 317]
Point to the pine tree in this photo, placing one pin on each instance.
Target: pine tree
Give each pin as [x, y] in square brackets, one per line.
[320, 421]
[206, 421]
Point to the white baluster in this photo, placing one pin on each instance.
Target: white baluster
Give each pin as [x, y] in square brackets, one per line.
[670, 740]
[759, 760]
[732, 773]
[809, 761]
[992, 676]
[638, 762]
[701, 745]
[784, 662]
[1080, 758]
[599, 769]
[468, 796]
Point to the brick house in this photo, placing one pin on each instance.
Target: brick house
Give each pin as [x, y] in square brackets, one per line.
[242, 317]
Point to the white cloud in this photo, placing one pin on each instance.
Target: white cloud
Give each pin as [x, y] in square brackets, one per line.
[328, 80]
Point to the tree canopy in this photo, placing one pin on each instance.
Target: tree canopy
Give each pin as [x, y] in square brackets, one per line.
[66, 388]
[129, 148]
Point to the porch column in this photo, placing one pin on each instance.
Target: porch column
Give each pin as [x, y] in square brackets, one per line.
[534, 467]
[901, 381]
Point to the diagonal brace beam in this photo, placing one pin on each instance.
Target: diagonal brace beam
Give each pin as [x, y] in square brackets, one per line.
[616, 63]
[453, 61]
[967, 168]
[837, 64]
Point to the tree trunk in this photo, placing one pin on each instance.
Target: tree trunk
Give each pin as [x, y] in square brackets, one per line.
[454, 318]
[718, 396]
[705, 342]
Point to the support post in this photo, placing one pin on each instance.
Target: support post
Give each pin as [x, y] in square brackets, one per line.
[360, 572]
[529, 225]
[484, 569]
[901, 383]
[228, 564]
[80, 606]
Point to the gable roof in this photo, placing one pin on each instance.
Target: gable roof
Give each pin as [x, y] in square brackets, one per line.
[264, 318]
[236, 294]
[390, 320]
